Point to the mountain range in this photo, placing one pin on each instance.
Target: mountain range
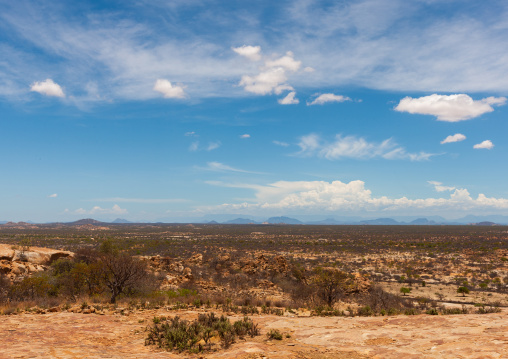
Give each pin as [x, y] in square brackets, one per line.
[485, 220]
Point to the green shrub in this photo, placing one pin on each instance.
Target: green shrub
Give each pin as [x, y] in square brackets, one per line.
[274, 334]
[182, 335]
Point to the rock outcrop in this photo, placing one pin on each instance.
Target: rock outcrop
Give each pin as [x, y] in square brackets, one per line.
[16, 262]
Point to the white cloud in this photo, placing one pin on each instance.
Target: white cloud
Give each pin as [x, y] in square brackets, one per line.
[438, 186]
[280, 143]
[272, 77]
[265, 82]
[328, 97]
[309, 69]
[54, 195]
[191, 134]
[246, 135]
[289, 99]
[454, 138]
[251, 52]
[213, 145]
[98, 210]
[286, 62]
[194, 146]
[48, 88]
[217, 166]
[355, 147]
[450, 108]
[139, 200]
[168, 90]
[337, 196]
[487, 144]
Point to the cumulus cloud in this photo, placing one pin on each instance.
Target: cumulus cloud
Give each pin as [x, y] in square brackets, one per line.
[289, 99]
[328, 97]
[98, 210]
[487, 144]
[168, 90]
[246, 135]
[449, 108]
[194, 146]
[322, 196]
[454, 138]
[438, 186]
[48, 88]
[355, 147]
[54, 195]
[272, 77]
[251, 52]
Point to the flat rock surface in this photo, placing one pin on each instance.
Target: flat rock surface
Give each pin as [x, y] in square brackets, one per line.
[73, 335]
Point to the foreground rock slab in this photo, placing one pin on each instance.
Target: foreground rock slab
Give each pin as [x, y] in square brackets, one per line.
[72, 335]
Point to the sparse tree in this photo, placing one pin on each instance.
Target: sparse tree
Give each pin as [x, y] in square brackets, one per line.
[122, 272]
[463, 290]
[405, 290]
[331, 284]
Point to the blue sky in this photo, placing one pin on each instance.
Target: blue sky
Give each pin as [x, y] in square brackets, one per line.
[173, 110]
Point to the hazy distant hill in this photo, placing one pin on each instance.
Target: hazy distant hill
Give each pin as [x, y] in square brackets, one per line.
[240, 221]
[120, 220]
[85, 221]
[422, 221]
[381, 221]
[283, 220]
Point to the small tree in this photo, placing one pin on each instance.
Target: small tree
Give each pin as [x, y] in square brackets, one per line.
[463, 290]
[122, 272]
[405, 290]
[331, 284]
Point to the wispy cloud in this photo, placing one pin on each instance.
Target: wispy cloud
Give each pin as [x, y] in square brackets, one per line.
[54, 195]
[139, 200]
[246, 135]
[280, 143]
[454, 138]
[356, 148]
[217, 166]
[116, 209]
[450, 108]
[213, 145]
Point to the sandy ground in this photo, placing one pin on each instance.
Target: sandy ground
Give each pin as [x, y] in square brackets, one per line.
[71, 335]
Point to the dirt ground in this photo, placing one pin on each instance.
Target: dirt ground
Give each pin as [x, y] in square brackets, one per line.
[73, 335]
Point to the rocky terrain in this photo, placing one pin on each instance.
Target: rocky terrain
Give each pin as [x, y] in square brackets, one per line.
[113, 335]
[268, 273]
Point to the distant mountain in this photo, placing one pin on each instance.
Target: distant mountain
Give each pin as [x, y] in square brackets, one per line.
[240, 221]
[328, 221]
[477, 219]
[85, 221]
[212, 222]
[381, 222]
[282, 220]
[486, 223]
[422, 222]
[120, 220]
[3, 222]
